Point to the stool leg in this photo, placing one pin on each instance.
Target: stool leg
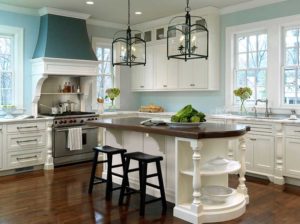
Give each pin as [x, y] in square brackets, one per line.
[94, 166]
[124, 181]
[161, 187]
[143, 179]
[123, 163]
[109, 177]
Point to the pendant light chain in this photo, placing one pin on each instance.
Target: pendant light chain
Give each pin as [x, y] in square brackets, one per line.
[128, 13]
[187, 9]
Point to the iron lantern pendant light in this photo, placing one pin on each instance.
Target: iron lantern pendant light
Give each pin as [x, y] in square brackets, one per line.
[128, 47]
[187, 37]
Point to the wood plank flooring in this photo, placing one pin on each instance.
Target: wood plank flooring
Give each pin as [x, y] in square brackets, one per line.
[60, 196]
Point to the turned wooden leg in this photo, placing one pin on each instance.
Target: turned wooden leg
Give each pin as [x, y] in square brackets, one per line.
[242, 187]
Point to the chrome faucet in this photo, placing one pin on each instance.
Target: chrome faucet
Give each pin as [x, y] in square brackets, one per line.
[267, 113]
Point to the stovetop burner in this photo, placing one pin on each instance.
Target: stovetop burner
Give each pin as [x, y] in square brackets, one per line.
[72, 113]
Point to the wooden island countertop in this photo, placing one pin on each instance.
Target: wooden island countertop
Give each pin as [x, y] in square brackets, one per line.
[205, 130]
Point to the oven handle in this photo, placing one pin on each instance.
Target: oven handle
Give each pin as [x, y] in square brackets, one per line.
[66, 129]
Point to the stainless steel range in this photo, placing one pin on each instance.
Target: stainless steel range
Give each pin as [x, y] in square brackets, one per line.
[61, 124]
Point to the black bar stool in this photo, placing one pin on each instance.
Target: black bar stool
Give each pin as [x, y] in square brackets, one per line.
[110, 152]
[144, 160]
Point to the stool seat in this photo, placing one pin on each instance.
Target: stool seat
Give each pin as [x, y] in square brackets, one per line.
[109, 149]
[143, 157]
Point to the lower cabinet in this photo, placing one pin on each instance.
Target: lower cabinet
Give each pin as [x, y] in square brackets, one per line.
[23, 144]
[260, 154]
[1, 147]
[292, 155]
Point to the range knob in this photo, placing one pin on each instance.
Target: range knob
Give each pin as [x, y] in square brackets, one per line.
[65, 121]
[60, 122]
[70, 121]
[81, 121]
[74, 121]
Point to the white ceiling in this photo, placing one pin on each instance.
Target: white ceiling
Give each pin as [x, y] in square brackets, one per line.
[116, 10]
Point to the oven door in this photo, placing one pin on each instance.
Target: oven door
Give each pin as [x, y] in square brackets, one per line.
[60, 141]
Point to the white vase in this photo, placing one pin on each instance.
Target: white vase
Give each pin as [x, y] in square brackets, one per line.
[100, 108]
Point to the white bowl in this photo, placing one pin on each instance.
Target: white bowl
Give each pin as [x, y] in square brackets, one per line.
[217, 193]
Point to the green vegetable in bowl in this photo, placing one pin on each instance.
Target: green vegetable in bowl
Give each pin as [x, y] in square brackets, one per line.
[188, 114]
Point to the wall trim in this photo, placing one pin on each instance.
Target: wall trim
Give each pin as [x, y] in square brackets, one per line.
[248, 5]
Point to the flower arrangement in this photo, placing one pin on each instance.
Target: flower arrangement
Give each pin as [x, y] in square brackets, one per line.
[112, 94]
[243, 93]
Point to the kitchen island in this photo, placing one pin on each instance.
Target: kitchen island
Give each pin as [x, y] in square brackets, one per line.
[186, 153]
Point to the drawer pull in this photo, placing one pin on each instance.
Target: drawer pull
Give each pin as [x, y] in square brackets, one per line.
[297, 131]
[24, 141]
[165, 86]
[253, 139]
[29, 157]
[192, 84]
[27, 127]
[142, 86]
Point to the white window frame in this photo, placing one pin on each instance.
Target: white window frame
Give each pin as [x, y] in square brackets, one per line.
[274, 28]
[98, 41]
[18, 62]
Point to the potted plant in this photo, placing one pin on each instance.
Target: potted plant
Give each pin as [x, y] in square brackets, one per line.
[243, 93]
[112, 94]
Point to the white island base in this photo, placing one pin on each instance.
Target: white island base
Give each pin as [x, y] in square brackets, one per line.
[183, 172]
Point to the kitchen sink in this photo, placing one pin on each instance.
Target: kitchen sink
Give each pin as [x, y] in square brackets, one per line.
[268, 118]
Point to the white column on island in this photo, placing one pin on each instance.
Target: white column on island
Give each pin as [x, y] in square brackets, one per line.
[242, 186]
[196, 147]
[49, 165]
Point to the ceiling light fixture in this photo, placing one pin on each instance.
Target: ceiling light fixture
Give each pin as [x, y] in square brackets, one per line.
[89, 2]
[128, 47]
[187, 37]
[138, 13]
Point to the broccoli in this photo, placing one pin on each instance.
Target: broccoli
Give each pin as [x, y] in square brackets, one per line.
[188, 114]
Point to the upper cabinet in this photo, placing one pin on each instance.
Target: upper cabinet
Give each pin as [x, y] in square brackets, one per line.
[161, 74]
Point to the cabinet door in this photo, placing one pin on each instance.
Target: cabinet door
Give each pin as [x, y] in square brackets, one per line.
[1, 147]
[292, 155]
[249, 153]
[166, 71]
[142, 76]
[263, 154]
[193, 74]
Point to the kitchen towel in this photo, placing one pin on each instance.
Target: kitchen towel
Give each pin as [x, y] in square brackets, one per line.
[75, 139]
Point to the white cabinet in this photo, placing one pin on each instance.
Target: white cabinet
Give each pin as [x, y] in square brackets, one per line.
[292, 152]
[193, 74]
[260, 154]
[175, 74]
[165, 71]
[1, 147]
[25, 144]
[292, 155]
[260, 149]
[142, 76]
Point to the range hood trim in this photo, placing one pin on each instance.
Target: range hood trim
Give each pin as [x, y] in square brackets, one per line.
[62, 66]
[61, 12]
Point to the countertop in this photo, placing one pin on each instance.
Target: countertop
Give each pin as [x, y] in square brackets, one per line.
[26, 120]
[205, 130]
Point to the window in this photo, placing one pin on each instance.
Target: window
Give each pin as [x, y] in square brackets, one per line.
[108, 75]
[251, 64]
[11, 66]
[291, 66]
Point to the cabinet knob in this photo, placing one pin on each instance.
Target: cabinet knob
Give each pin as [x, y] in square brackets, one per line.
[192, 84]
[142, 86]
[165, 86]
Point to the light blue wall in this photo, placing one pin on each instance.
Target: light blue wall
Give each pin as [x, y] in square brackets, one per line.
[209, 101]
[30, 24]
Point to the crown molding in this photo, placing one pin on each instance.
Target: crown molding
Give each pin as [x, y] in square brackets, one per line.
[19, 10]
[61, 12]
[248, 5]
[102, 23]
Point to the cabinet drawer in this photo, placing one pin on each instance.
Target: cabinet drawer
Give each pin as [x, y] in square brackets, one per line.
[26, 127]
[19, 142]
[292, 131]
[30, 158]
[258, 128]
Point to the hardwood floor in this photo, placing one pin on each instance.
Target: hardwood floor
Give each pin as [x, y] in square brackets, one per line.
[60, 196]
